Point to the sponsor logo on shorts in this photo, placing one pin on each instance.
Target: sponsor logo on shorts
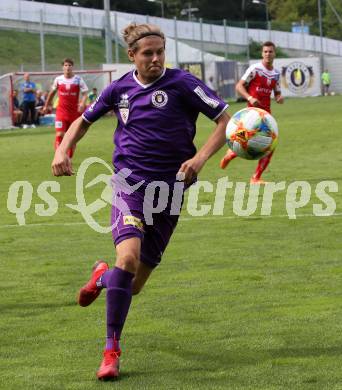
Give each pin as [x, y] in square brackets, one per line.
[159, 99]
[58, 124]
[134, 221]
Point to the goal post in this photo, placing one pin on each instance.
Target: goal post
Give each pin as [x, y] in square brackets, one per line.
[13, 81]
[6, 109]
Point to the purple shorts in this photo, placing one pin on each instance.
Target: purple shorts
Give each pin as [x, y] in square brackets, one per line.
[128, 220]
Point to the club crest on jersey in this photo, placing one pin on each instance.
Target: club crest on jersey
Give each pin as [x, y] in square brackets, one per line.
[159, 98]
[124, 107]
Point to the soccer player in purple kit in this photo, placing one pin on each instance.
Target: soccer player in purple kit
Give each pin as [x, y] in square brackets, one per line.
[157, 109]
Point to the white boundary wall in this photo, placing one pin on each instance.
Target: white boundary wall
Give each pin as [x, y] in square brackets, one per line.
[5, 102]
[334, 65]
[29, 11]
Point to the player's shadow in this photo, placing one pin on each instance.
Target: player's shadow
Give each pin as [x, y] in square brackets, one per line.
[225, 360]
[21, 133]
[304, 352]
[33, 308]
[218, 361]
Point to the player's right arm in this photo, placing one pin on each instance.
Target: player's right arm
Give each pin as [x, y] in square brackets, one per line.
[61, 164]
[241, 89]
[48, 102]
[50, 96]
[241, 86]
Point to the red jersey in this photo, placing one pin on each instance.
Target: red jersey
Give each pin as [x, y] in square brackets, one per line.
[260, 84]
[68, 91]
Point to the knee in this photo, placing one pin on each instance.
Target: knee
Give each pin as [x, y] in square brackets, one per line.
[128, 262]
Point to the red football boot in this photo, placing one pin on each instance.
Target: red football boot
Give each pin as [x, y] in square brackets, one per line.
[109, 368]
[257, 181]
[90, 291]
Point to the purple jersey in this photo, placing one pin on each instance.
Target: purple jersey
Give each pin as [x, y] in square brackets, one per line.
[156, 122]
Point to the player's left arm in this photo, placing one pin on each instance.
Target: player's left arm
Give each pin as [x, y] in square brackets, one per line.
[217, 139]
[84, 91]
[277, 94]
[83, 102]
[279, 98]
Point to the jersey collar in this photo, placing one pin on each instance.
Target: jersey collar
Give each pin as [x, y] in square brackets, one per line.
[262, 63]
[147, 85]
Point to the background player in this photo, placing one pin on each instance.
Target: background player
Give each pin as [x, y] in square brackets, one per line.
[326, 81]
[157, 109]
[256, 86]
[68, 87]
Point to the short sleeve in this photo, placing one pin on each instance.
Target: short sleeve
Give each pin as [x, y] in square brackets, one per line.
[103, 104]
[200, 97]
[54, 85]
[249, 75]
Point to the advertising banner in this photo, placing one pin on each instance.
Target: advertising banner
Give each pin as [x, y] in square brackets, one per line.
[300, 77]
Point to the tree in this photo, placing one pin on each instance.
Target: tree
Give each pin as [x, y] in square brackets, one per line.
[294, 10]
[332, 20]
[282, 13]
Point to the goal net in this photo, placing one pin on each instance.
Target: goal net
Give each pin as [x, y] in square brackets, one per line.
[13, 81]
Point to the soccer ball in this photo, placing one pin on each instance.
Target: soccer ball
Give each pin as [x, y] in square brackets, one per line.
[252, 133]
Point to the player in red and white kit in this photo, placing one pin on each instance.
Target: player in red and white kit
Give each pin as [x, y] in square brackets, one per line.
[68, 87]
[256, 86]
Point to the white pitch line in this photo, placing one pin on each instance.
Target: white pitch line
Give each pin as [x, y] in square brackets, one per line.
[185, 219]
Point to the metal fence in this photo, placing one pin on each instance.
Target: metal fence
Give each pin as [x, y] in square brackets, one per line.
[225, 37]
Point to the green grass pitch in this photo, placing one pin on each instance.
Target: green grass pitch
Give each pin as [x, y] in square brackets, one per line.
[237, 303]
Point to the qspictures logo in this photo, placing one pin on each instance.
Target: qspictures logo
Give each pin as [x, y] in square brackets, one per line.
[244, 200]
[297, 77]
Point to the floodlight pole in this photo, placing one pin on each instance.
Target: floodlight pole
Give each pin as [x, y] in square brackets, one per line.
[320, 25]
[80, 39]
[225, 39]
[264, 3]
[161, 2]
[320, 33]
[117, 59]
[108, 32]
[42, 44]
[176, 41]
[162, 8]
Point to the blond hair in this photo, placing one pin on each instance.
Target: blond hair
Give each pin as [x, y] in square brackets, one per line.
[133, 32]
